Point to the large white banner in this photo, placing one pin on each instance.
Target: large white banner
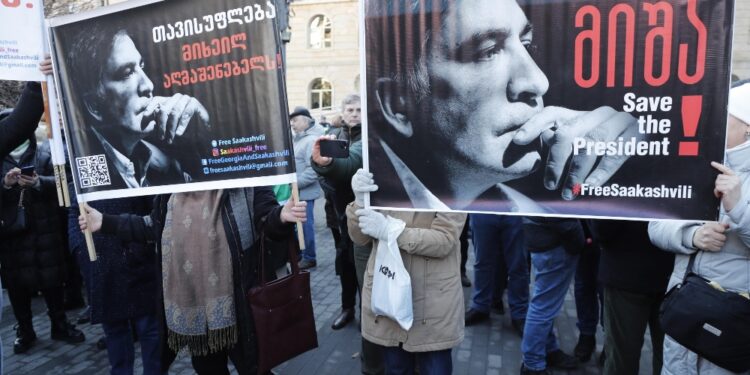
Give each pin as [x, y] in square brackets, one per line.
[21, 39]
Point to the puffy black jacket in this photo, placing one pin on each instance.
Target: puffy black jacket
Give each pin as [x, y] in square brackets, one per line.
[22, 122]
[35, 258]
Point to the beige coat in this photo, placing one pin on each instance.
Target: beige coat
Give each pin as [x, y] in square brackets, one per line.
[430, 249]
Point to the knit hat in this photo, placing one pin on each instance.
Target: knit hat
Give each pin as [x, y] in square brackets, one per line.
[739, 102]
[300, 111]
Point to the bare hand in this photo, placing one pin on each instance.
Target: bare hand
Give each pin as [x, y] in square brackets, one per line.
[728, 186]
[173, 115]
[316, 157]
[710, 236]
[11, 178]
[294, 212]
[559, 127]
[92, 220]
[45, 66]
[28, 181]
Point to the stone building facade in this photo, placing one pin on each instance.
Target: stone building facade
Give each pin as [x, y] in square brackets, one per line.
[741, 44]
[323, 55]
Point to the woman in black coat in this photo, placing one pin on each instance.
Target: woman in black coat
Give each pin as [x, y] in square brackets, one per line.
[207, 246]
[122, 287]
[33, 259]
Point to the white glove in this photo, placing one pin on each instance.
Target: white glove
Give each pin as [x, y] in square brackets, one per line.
[373, 223]
[362, 183]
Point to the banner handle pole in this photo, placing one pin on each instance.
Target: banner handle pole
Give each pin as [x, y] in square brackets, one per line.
[47, 119]
[87, 234]
[64, 182]
[300, 233]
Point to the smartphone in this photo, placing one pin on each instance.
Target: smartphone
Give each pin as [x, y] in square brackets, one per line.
[27, 170]
[334, 148]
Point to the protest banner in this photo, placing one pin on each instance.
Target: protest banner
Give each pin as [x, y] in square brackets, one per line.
[173, 96]
[21, 40]
[613, 108]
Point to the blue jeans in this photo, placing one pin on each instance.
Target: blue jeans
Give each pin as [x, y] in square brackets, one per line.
[400, 362]
[120, 345]
[588, 294]
[553, 270]
[308, 228]
[499, 252]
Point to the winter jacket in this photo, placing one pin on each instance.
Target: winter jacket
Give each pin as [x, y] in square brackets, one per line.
[336, 183]
[546, 233]
[122, 283]
[22, 122]
[430, 249]
[730, 267]
[245, 214]
[33, 259]
[307, 179]
[624, 245]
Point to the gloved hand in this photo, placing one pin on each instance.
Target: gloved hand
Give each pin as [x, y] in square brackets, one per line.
[362, 183]
[373, 223]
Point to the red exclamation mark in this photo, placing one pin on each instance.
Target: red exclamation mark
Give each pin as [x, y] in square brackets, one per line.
[692, 105]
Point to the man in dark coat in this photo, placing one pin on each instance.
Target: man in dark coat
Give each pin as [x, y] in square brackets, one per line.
[33, 259]
[635, 274]
[554, 245]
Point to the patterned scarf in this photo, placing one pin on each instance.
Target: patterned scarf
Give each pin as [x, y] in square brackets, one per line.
[197, 275]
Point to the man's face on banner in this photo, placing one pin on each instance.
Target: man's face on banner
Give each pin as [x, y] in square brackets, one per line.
[485, 84]
[126, 89]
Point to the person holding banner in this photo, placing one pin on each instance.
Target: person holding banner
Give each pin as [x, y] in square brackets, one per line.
[124, 121]
[206, 242]
[456, 109]
[722, 247]
[122, 288]
[430, 249]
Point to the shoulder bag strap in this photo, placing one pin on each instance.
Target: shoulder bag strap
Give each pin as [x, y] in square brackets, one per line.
[689, 268]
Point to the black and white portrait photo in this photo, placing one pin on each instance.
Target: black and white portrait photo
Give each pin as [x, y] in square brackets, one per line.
[124, 120]
[472, 106]
[173, 96]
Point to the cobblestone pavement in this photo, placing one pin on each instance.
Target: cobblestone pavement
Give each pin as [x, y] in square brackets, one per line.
[490, 348]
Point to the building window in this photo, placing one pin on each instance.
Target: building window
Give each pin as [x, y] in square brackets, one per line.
[320, 32]
[321, 94]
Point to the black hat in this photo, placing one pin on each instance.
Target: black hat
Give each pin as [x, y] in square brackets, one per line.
[300, 111]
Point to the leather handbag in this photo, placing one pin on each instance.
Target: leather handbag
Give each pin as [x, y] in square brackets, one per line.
[283, 314]
[16, 222]
[713, 323]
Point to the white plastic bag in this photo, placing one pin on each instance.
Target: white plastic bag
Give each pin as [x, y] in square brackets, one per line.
[391, 284]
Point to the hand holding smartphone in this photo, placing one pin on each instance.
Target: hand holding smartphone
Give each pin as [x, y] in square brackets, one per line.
[27, 170]
[334, 148]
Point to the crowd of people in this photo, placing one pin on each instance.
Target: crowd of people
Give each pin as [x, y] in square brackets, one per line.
[173, 270]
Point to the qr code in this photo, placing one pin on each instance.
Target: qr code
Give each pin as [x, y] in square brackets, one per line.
[93, 171]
